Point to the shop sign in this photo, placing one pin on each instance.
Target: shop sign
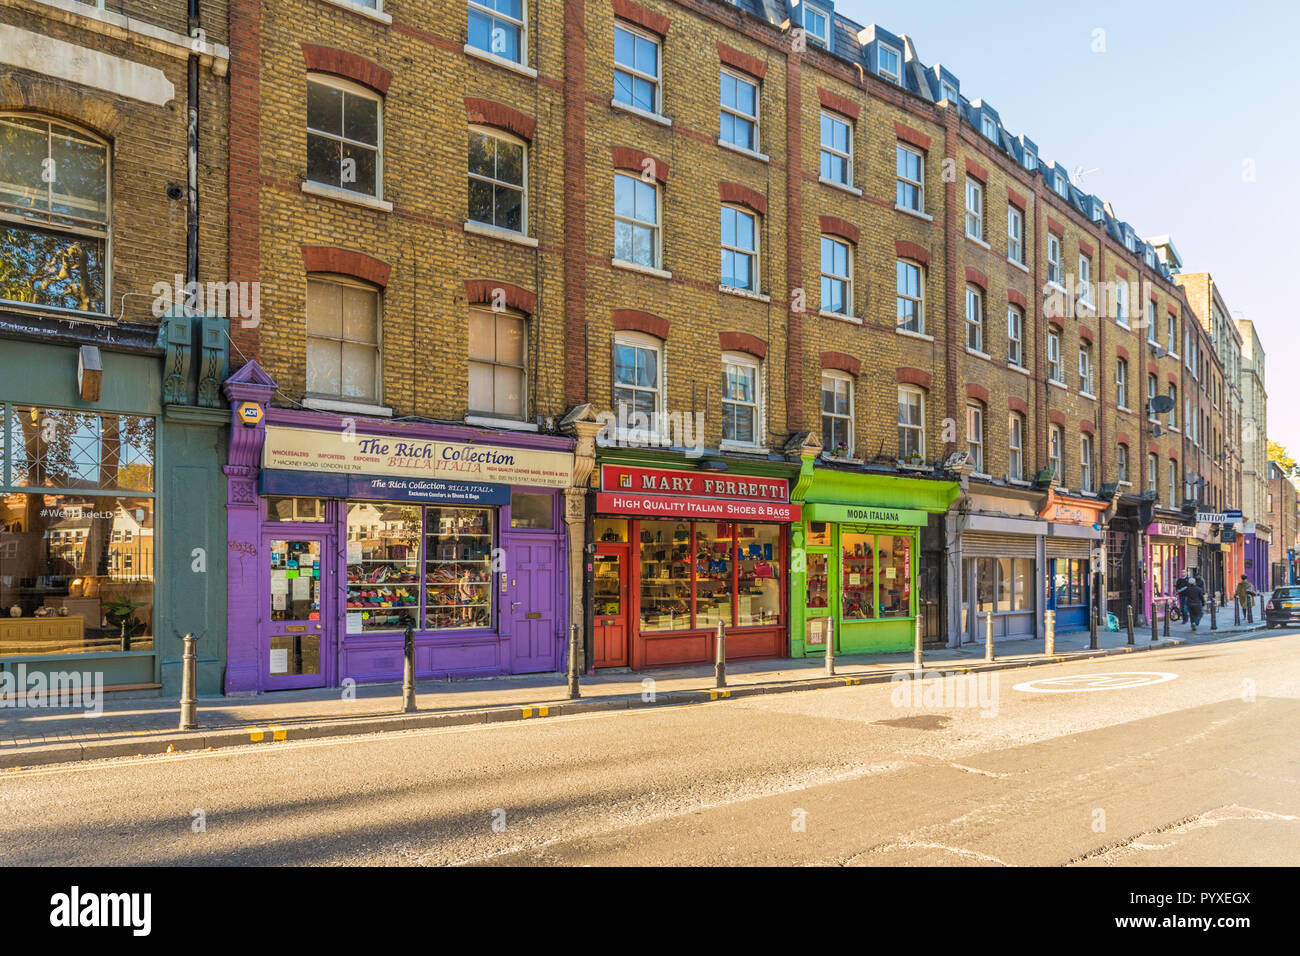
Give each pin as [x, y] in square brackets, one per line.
[866, 514]
[1163, 529]
[1217, 517]
[340, 452]
[300, 484]
[719, 509]
[692, 484]
[1068, 513]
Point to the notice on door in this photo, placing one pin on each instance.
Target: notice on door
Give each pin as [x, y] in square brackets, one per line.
[280, 661]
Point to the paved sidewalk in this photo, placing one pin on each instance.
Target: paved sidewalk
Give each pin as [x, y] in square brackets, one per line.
[127, 727]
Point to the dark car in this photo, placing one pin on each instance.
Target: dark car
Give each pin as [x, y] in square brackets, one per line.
[1283, 607]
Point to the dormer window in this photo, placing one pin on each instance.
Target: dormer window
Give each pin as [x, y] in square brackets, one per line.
[1061, 185]
[950, 93]
[817, 24]
[989, 128]
[889, 63]
[1030, 161]
[1098, 214]
[1129, 242]
[1151, 258]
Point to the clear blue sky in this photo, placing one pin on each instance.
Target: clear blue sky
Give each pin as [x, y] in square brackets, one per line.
[1183, 95]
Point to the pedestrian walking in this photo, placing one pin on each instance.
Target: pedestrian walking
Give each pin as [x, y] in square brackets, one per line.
[1194, 601]
[1245, 595]
[1180, 589]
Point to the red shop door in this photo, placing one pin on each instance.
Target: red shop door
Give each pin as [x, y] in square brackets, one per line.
[609, 595]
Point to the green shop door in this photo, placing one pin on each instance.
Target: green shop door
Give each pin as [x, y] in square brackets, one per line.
[821, 590]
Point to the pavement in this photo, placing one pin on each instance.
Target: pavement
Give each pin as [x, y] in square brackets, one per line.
[41, 735]
[1181, 757]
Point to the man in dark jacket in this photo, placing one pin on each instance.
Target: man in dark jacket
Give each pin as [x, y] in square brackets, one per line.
[1194, 601]
[1180, 587]
[1245, 595]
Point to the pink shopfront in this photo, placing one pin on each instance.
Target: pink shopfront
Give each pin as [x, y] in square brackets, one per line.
[1171, 548]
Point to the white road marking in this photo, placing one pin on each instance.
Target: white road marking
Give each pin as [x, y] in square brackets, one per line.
[1082, 683]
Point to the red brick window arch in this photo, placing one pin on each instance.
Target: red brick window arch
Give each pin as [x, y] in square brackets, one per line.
[344, 135]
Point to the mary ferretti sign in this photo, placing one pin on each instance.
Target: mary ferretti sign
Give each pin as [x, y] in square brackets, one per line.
[335, 452]
[1165, 529]
[663, 492]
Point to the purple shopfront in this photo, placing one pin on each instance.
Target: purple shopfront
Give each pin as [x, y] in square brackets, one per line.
[345, 530]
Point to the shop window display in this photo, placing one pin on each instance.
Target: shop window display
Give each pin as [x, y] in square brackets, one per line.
[713, 592]
[877, 575]
[665, 576]
[759, 574]
[458, 568]
[383, 557]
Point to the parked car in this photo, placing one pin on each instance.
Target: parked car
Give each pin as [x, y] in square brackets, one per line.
[1283, 607]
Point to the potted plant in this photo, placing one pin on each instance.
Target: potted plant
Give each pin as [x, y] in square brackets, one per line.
[120, 613]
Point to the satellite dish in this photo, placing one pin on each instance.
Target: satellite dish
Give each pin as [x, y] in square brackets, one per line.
[1162, 404]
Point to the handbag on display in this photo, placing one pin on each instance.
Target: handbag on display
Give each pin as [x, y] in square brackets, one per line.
[682, 533]
[646, 537]
[762, 570]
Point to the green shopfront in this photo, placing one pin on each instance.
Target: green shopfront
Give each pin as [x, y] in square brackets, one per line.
[859, 560]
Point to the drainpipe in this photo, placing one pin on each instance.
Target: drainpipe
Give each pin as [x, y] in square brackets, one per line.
[192, 225]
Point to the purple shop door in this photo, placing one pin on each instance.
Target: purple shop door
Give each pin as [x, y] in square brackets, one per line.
[532, 603]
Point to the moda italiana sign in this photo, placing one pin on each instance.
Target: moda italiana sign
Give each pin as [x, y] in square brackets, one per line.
[341, 452]
[865, 514]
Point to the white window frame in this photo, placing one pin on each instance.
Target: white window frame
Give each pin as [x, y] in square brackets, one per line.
[975, 443]
[656, 79]
[356, 89]
[1016, 446]
[974, 214]
[1153, 473]
[333, 279]
[1121, 383]
[641, 224]
[1030, 161]
[1056, 453]
[1085, 368]
[1121, 463]
[840, 378]
[950, 93]
[1061, 185]
[1015, 336]
[1055, 263]
[1171, 330]
[989, 128]
[847, 280]
[1121, 303]
[812, 10]
[1085, 280]
[495, 413]
[975, 322]
[849, 171]
[747, 80]
[1153, 334]
[919, 299]
[641, 340]
[493, 133]
[746, 361]
[1173, 411]
[1085, 462]
[521, 23]
[1055, 367]
[751, 254]
[1015, 235]
[895, 77]
[1173, 484]
[903, 180]
[912, 391]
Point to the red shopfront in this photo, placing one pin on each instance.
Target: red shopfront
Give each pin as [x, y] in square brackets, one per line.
[679, 551]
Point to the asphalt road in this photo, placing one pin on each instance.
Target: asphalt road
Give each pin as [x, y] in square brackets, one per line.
[1200, 768]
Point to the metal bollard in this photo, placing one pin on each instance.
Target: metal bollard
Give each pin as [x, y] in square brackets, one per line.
[1155, 620]
[1092, 626]
[917, 656]
[1263, 612]
[408, 670]
[720, 668]
[988, 636]
[1166, 619]
[189, 682]
[1131, 639]
[574, 693]
[1049, 647]
[830, 649]
[1236, 612]
[1214, 617]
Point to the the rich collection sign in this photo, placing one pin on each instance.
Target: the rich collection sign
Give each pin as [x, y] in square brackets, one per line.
[669, 493]
[341, 452]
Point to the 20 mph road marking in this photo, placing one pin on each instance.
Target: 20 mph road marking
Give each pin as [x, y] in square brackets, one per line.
[1079, 683]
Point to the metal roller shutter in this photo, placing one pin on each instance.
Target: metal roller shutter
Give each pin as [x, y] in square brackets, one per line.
[1070, 547]
[1192, 554]
[989, 544]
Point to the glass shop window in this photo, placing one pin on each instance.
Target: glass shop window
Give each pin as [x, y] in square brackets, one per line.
[383, 558]
[818, 590]
[300, 510]
[666, 576]
[611, 530]
[895, 554]
[758, 563]
[458, 568]
[295, 582]
[819, 534]
[858, 588]
[714, 559]
[535, 512]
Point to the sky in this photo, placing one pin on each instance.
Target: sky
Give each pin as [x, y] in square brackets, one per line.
[1179, 122]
